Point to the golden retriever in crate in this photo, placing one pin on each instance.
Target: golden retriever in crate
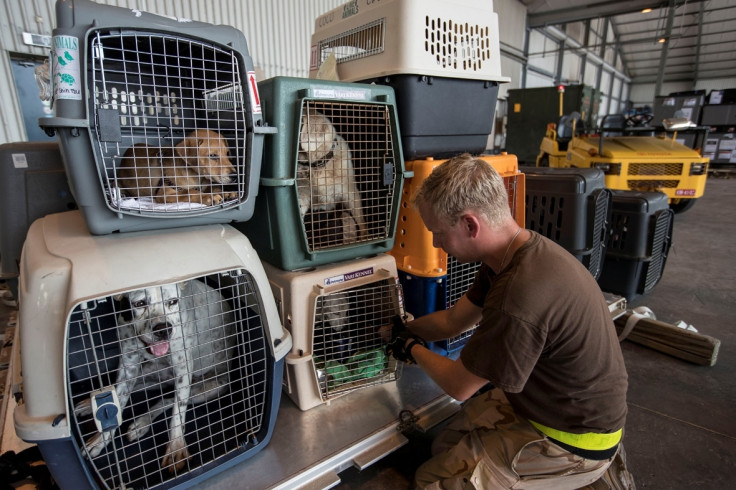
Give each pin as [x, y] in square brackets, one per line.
[325, 175]
[196, 170]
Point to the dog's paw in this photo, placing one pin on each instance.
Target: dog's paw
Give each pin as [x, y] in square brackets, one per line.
[139, 427]
[83, 408]
[97, 443]
[176, 456]
[216, 199]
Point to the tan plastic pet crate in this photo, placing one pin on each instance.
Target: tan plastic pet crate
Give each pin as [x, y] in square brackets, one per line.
[333, 313]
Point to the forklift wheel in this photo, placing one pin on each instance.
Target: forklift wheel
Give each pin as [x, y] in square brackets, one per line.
[544, 161]
[682, 205]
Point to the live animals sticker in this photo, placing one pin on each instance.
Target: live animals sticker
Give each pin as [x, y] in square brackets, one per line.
[65, 58]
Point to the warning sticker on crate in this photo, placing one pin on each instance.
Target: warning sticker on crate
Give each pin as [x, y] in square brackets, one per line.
[255, 100]
[65, 66]
[349, 276]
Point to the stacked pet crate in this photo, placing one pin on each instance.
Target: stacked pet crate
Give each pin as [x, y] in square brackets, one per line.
[324, 219]
[572, 207]
[32, 184]
[638, 242]
[433, 280]
[162, 349]
[444, 65]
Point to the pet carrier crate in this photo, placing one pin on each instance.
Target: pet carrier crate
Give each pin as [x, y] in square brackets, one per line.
[158, 119]
[443, 62]
[433, 280]
[32, 184]
[572, 207]
[331, 177]
[333, 313]
[149, 359]
[639, 240]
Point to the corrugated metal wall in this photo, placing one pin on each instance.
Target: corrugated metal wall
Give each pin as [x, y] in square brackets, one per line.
[278, 34]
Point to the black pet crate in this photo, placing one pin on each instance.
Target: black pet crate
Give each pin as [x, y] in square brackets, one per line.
[33, 184]
[183, 94]
[572, 207]
[639, 240]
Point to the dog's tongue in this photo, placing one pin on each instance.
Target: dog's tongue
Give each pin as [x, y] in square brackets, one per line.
[159, 348]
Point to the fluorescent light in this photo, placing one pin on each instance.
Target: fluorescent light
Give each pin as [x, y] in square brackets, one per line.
[646, 11]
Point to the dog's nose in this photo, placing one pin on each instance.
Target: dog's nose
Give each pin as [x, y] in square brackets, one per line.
[162, 331]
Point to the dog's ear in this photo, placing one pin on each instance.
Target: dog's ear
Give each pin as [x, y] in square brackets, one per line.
[184, 148]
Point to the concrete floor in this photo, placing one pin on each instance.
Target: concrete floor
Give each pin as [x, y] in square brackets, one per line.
[681, 427]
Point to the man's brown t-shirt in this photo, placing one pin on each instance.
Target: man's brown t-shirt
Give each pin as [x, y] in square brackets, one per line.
[548, 341]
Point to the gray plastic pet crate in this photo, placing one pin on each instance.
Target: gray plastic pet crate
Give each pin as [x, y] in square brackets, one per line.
[337, 193]
[32, 184]
[572, 207]
[76, 312]
[123, 77]
[639, 240]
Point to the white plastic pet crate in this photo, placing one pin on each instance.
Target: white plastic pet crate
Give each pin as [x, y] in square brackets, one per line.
[84, 317]
[182, 93]
[332, 176]
[333, 313]
[442, 59]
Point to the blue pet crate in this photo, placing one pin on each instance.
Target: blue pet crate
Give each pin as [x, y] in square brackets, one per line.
[638, 243]
[572, 207]
[32, 184]
[122, 79]
[73, 320]
[329, 119]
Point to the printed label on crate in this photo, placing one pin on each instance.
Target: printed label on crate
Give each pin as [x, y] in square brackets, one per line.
[255, 100]
[19, 160]
[349, 276]
[339, 93]
[65, 58]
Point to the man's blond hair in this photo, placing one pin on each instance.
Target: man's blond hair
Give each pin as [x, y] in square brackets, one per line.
[465, 183]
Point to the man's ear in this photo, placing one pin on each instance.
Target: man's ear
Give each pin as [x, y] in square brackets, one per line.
[471, 224]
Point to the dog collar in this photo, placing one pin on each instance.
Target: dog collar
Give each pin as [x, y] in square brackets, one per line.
[322, 161]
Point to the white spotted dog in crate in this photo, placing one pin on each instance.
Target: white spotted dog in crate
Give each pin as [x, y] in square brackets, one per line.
[178, 334]
[325, 175]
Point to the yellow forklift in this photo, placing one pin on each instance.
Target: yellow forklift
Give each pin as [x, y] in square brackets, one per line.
[630, 162]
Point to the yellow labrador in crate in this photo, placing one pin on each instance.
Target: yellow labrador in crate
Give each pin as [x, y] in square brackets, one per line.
[325, 175]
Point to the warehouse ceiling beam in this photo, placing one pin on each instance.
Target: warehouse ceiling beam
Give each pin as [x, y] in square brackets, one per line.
[697, 49]
[592, 10]
[665, 48]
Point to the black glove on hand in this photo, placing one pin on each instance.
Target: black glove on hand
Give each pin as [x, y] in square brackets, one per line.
[399, 339]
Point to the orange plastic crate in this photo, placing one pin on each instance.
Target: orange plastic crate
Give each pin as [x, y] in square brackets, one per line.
[413, 248]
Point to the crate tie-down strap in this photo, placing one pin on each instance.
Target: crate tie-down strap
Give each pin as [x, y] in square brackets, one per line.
[637, 314]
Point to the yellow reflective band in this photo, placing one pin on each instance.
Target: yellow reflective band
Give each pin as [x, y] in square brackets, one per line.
[591, 441]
